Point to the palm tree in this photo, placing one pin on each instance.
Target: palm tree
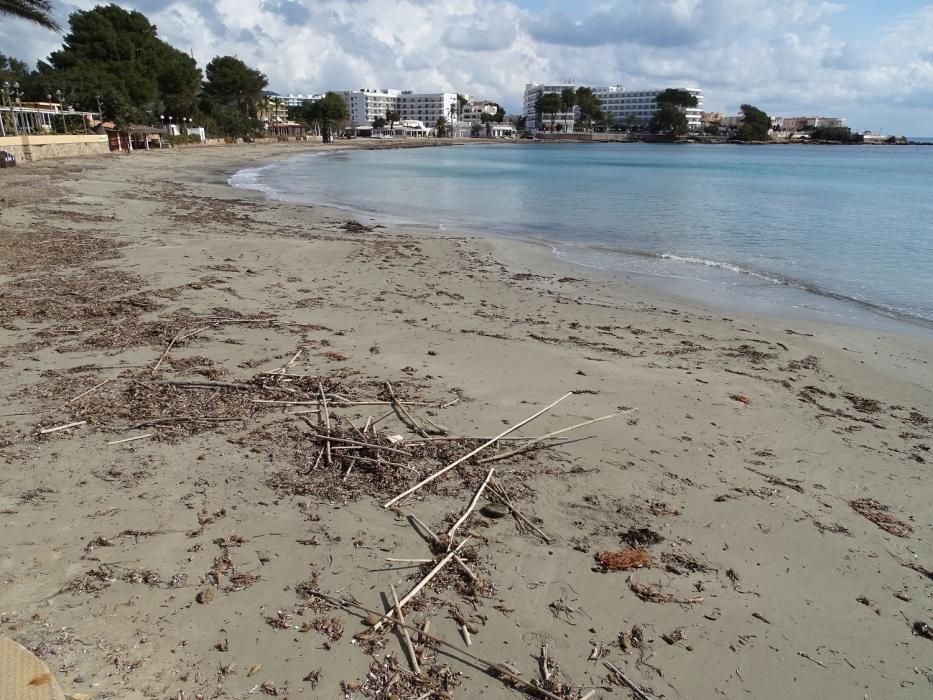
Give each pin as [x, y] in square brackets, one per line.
[453, 118]
[440, 126]
[36, 11]
[568, 100]
[392, 116]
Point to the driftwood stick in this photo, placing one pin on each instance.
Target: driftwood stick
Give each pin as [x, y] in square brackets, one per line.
[632, 685]
[379, 461]
[493, 669]
[430, 533]
[130, 439]
[181, 335]
[423, 582]
[46, 431]
[325, 415]
[403, 413]
[466, 513]
[409, 647]
[348, 441]
[529, 445]
[497, 489]
[183, 419]
[284, 368]
[409, 561]
[195, 384]
[85, 393]
[479, 449]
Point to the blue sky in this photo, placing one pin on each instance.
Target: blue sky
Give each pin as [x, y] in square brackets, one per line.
[871, 62]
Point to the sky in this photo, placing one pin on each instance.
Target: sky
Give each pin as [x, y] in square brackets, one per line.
[868, 61]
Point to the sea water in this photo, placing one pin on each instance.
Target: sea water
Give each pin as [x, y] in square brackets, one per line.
[838, 230]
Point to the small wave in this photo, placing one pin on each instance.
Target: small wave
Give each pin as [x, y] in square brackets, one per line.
[724, 266]
[251, 179]
[890, 311]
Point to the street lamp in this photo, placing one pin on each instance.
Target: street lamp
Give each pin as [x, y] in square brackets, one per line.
[58, 94]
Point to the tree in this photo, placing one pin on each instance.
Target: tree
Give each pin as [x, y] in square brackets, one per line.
[440, 127]
[12, 70]
[548, 104]
[35, 11]
[230, 82]
[116, 54]
[461, 101]
[755, 125]
[668, 119]
[589, 104]
[379, 122]
[841, 134]
[607, 121]
[568, 99]
[392, 116]
[500, 114]
[327, 113]
[712, 128]
[678, 97]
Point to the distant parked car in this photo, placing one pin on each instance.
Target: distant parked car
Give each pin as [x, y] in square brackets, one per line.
[7, 160]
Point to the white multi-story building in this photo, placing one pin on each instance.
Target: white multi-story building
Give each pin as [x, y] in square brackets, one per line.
[428, 107]
[641, 105]
[557, 121]
[294, 100]
[473, 112]
[365, 105]
[624, 105]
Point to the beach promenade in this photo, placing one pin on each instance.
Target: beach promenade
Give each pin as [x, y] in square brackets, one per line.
[202, 393]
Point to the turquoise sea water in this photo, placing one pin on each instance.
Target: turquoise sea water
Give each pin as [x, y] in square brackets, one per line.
[836, 230]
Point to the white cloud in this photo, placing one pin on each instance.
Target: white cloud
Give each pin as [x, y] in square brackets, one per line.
[783, 56]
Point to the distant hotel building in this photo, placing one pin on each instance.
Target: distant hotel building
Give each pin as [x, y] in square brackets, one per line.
[624, 105]
[293, 100]
[801, 123]
[365, 105]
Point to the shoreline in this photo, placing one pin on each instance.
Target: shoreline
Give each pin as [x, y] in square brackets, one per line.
[865, 315]
[170, 541]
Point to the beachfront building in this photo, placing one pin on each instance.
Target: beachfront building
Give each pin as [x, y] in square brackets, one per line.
[295, 100]
[806, 123]
[366, 104]
[473, 111]
[637, 107]
[627, 107]
[18, 117]
[555, 121]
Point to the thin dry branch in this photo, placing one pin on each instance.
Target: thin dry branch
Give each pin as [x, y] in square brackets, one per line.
[479, 449]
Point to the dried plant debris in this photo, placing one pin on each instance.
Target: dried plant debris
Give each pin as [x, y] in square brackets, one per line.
[388, 678]
[876, 512]
[93, 296]
[641, 537]
[651, 594]
[622, 560]
[49, 248]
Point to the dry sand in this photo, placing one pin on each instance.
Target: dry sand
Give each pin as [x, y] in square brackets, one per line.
[180, 565]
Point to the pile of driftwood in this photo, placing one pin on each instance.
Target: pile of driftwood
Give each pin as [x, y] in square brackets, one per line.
[343, 456]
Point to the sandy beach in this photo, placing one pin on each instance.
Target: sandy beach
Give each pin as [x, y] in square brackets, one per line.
[772, 490]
